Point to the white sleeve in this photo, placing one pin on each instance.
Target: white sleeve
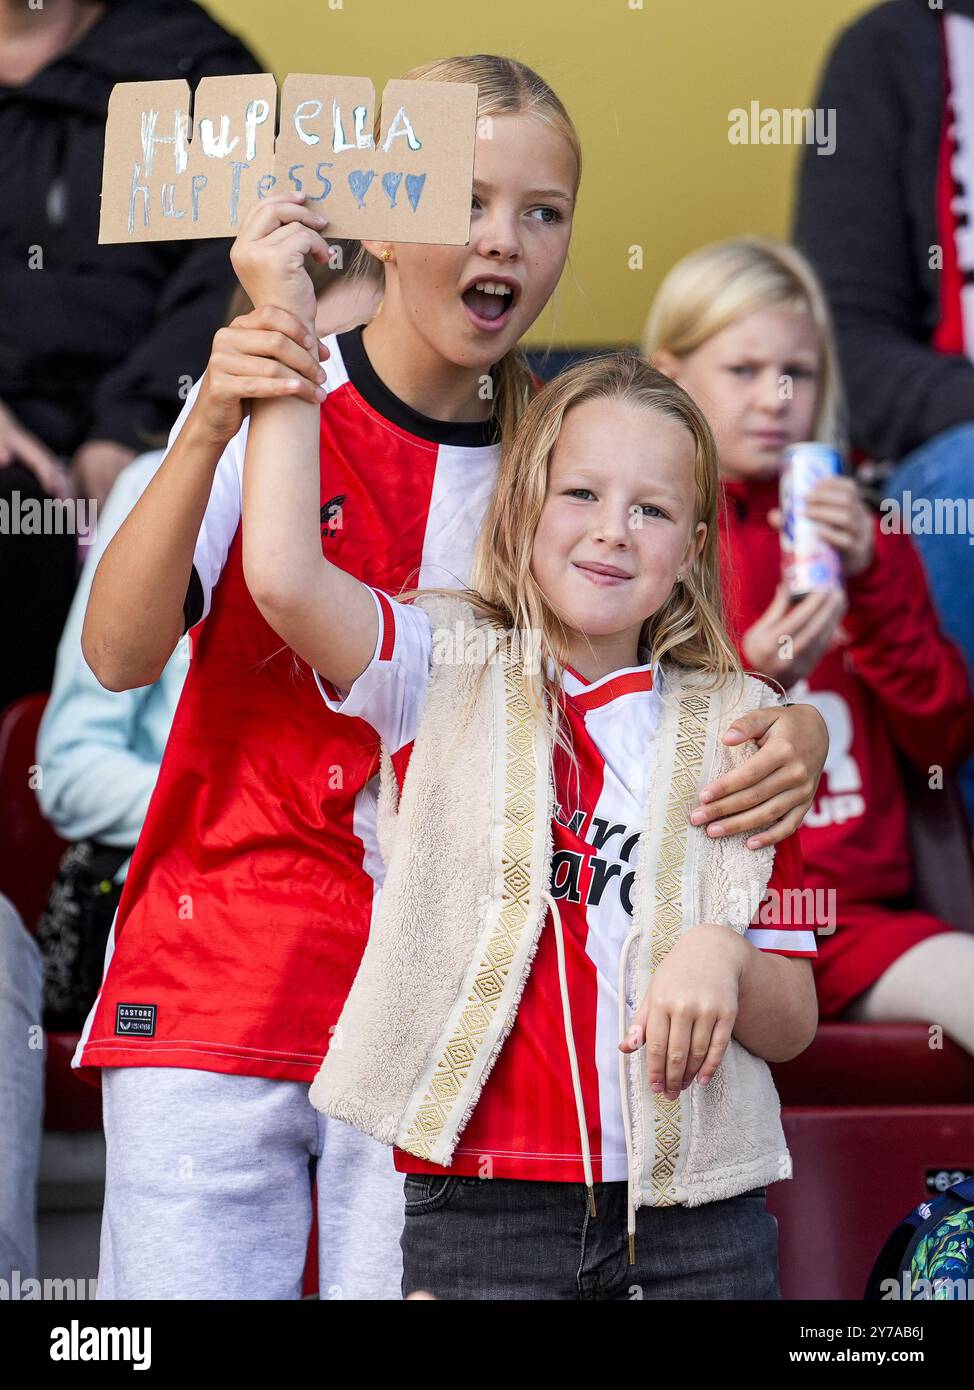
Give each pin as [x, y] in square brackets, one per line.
[390, 693]
[223, 510]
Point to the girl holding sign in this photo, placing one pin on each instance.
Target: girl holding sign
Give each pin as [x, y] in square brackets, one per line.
[251, 891]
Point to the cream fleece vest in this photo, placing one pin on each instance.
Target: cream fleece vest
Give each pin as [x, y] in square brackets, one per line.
[469, 854]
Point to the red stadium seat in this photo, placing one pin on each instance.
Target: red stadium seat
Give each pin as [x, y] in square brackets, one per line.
[876, 1117]
[29, 854]
[29, 848]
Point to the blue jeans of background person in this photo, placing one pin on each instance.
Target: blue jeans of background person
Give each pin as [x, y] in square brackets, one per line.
[497, 1239]
[21, 1093]
[944, 468]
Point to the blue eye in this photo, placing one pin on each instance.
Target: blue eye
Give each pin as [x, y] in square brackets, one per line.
[572, 492]
[556, 216]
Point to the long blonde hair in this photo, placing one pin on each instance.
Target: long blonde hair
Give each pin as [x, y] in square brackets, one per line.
[505, 87]
[688, 629]
[718, 284]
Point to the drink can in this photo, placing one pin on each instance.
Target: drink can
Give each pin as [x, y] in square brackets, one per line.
[808, 562]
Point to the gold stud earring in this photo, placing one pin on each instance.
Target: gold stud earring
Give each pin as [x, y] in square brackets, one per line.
[386, 255]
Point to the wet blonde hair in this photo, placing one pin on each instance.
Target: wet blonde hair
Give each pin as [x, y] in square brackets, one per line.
[505, 87]
[688, 629]
[719, 284]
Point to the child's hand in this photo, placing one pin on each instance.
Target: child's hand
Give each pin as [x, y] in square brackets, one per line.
[789, 640]
[776, 786]
[688, 1015]
[276, 235]
[264, 354]
[843, 521]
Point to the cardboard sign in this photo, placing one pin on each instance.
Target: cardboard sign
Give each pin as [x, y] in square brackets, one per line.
[165, 180]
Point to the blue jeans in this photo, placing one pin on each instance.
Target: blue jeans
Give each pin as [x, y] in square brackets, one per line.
[497, 1239]
[944, 468]
[21, 1093]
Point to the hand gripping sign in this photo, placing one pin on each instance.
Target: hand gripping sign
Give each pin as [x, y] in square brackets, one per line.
[168, 176]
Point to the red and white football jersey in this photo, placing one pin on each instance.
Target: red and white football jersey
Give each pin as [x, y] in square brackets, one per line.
[525, 1124]
[249, 897]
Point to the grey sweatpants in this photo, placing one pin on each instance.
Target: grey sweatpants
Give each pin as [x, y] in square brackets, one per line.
[208, 1191]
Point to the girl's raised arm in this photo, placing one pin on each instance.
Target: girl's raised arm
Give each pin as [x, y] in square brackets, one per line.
[326, 615]
[135, 613]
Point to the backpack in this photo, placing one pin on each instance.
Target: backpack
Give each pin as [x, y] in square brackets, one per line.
[930, 1254]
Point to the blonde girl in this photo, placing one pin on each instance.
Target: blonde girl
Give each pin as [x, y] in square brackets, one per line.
[744, 326]
[547, 1155]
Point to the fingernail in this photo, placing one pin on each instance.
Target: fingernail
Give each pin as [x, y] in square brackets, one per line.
[706, 795]
[657, 1085]
[698, 817]
[320, 393]
[705, 1081]
[717, 829]
[754, 844]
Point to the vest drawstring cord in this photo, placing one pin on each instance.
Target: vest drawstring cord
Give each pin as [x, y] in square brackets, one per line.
[572, 1054]
[624, 1059]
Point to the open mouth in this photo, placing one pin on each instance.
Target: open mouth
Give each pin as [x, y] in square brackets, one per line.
[489, 303]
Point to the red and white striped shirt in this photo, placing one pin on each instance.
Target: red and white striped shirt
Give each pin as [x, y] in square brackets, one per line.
[249, 897]
[525, 1124]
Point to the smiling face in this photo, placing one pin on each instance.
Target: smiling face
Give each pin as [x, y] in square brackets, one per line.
[617, 526]
[520, 227]
[757, 382]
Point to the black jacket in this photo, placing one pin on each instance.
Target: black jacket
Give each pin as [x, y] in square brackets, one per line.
[93, 345]
[866, 218]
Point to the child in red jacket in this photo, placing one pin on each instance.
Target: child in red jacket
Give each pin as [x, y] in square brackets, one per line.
[743, 326]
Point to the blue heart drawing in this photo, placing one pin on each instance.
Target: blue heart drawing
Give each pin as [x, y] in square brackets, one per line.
[414, 187]
[391, 182]
[359, 181]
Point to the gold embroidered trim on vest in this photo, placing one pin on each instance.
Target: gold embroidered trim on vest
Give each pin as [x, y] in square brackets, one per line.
[668, 914]
[490, 976]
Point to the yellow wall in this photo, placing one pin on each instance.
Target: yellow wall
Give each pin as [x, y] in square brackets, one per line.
[649, 89]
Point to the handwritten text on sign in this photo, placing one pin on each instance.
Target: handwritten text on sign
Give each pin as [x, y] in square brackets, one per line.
[161, 182]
